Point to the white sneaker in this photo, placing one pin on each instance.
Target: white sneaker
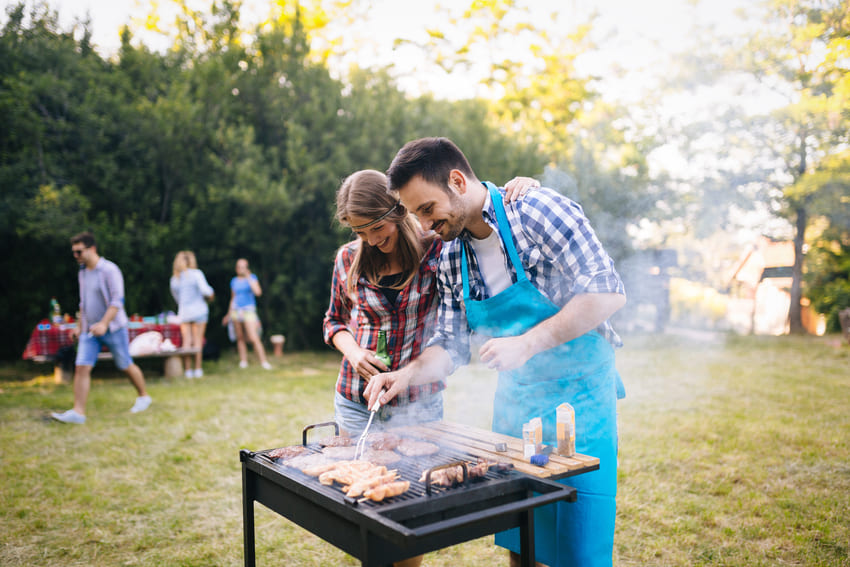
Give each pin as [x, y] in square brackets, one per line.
[199, 373]
[69, 416]
[142, 403]
[243, 364]
[267, 366]
[189, 373]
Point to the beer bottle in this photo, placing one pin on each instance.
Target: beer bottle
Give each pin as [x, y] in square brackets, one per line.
[382, 353]
[56, 315]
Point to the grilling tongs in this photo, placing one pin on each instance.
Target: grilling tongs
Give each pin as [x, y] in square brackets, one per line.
[361, 443]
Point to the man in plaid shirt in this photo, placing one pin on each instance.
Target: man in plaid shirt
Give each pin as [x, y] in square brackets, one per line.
[533, 279]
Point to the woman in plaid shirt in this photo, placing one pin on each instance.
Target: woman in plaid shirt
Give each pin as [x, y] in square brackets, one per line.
[385, 279]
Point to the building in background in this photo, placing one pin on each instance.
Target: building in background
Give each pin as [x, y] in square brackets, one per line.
[760, 291]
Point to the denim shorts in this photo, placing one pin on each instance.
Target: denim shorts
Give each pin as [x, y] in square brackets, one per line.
[118, 343]
[352, 417]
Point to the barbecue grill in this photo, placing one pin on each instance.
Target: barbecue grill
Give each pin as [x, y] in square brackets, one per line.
[424, 518]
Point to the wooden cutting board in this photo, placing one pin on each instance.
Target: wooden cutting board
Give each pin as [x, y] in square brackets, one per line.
[482, 443]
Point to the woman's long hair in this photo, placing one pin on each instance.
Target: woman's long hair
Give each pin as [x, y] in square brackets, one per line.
[364, 194]
[184, 260]
[180, 264]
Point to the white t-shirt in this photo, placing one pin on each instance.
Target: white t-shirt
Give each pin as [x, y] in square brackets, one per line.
[491, 261]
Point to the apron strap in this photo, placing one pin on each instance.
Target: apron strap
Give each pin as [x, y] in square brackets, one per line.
[504, 233]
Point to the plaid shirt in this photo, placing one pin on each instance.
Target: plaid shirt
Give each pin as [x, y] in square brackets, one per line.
[558, 249]
[408, 322]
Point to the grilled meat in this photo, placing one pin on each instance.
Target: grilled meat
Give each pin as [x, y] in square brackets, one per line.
[285, 453]
[383, 441]
[388, 490]
[450, 476]
[336, 441]
[413, 448]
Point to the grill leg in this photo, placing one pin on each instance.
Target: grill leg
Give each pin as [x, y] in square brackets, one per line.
[367, 560]
[248, 518]
[526, 539]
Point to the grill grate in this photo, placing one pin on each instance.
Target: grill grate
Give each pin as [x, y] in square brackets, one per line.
[409, 468]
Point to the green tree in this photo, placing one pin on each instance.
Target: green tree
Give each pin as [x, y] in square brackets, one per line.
[828, 260]
[232, 144]
[798, 50]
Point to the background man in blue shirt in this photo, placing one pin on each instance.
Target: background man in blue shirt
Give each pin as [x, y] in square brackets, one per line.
[103, 321]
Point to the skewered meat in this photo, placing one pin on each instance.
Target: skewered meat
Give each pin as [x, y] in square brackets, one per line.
[330, 465]
[359, 487]
[444, 477]
[285, 453]
[383, 441]
[388, 490]
[413, 448]
[450, 476]
[319, 468]
[347, 473]
[480, 468]
[360, 477]
[336, 441]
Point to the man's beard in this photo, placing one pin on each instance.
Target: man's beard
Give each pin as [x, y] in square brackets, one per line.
[454, 224]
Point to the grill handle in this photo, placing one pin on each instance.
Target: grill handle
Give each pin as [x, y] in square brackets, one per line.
[439, 467]
[317, 425]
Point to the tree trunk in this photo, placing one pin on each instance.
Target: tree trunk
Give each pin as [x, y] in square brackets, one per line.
[795, 312]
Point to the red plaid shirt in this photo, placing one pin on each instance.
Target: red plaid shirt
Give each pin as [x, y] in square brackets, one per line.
[408, 322]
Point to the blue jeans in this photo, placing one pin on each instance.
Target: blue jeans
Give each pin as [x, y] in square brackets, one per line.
[118, 343]
[352, 417]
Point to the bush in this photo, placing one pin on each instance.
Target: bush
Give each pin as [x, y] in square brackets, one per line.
[833, 298]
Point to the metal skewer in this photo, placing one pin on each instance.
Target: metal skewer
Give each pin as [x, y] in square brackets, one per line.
[361, 442]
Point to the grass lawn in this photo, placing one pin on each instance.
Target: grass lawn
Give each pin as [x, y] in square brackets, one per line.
[733, 451]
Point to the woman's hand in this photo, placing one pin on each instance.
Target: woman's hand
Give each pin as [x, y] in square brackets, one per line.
[226, 319]
[385, 387]
[364, 362]
[519, 186]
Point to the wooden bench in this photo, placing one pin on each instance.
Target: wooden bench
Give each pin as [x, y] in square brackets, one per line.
[172, 365]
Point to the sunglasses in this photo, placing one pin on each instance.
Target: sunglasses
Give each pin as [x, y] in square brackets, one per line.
[77, 251]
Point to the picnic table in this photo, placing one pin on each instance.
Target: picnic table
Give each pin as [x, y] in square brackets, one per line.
[48, 338]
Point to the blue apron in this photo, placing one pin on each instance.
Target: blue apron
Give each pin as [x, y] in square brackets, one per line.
[580, 372]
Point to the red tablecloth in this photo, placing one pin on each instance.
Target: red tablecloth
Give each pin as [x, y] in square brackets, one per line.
[46, 338]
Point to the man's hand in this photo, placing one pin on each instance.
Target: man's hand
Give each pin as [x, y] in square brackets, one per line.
[365, 363]
[505, 353]
[386, 386]
[75, 332]
[98, 329]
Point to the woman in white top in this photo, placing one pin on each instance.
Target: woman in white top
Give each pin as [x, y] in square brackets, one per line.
[191, 292]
